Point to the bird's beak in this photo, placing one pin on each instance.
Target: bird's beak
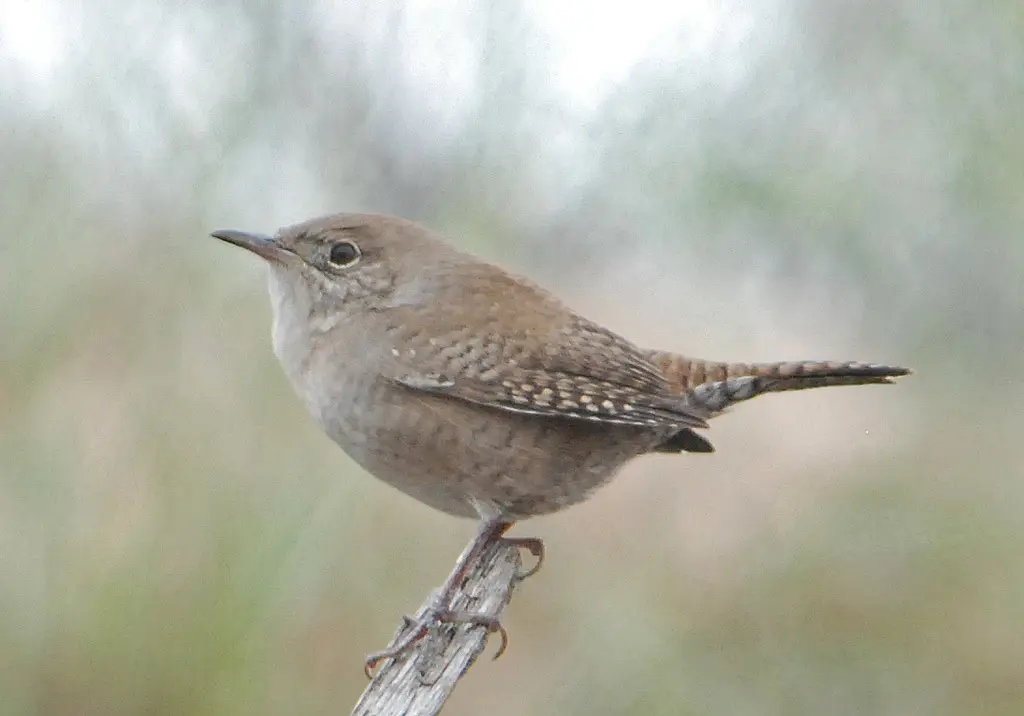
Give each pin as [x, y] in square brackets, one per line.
[263, 246]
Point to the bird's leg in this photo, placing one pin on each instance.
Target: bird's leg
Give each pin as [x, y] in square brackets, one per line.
[438, 610]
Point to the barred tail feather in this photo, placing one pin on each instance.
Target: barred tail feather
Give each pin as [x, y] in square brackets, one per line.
[714, 386]
[718, 395]
[687, 374]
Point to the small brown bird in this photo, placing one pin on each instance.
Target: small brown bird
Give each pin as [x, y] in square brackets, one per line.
[475, 391]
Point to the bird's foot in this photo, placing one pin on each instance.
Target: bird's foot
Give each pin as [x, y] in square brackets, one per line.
[417, 627]
[534, 546]
[439, 609]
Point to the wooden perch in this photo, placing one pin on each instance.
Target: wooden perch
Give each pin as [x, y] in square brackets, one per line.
[420, 681]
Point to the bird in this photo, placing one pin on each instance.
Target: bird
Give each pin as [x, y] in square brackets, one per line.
[476, 391]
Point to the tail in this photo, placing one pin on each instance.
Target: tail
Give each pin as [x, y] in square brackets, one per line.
[746, 380]
[715, 386]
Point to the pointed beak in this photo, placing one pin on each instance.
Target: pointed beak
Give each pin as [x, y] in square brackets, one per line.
[263, 246]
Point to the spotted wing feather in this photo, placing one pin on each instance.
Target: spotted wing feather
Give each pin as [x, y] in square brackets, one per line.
[564, 395]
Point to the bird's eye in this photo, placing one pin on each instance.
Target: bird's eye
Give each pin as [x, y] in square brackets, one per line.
[344, 253]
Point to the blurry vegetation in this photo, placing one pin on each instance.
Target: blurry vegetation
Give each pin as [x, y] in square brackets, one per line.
[177, 537]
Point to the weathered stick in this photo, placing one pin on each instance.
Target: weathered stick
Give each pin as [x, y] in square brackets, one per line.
[420, 681]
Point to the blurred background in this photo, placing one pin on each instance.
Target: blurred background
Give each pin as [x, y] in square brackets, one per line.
[779, 180]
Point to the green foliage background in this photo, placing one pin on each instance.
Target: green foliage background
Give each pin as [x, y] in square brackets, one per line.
[177, 537]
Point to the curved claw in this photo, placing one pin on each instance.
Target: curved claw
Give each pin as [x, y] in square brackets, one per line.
[422, 625]
[399, 647]
[493, 624]
[532, 545]
[504, 641]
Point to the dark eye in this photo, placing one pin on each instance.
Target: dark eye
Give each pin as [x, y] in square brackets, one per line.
[344, 253]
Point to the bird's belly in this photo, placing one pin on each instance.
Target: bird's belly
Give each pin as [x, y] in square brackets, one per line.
[457, 456]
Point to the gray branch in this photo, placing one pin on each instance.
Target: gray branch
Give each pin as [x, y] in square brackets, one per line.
[421, 681]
